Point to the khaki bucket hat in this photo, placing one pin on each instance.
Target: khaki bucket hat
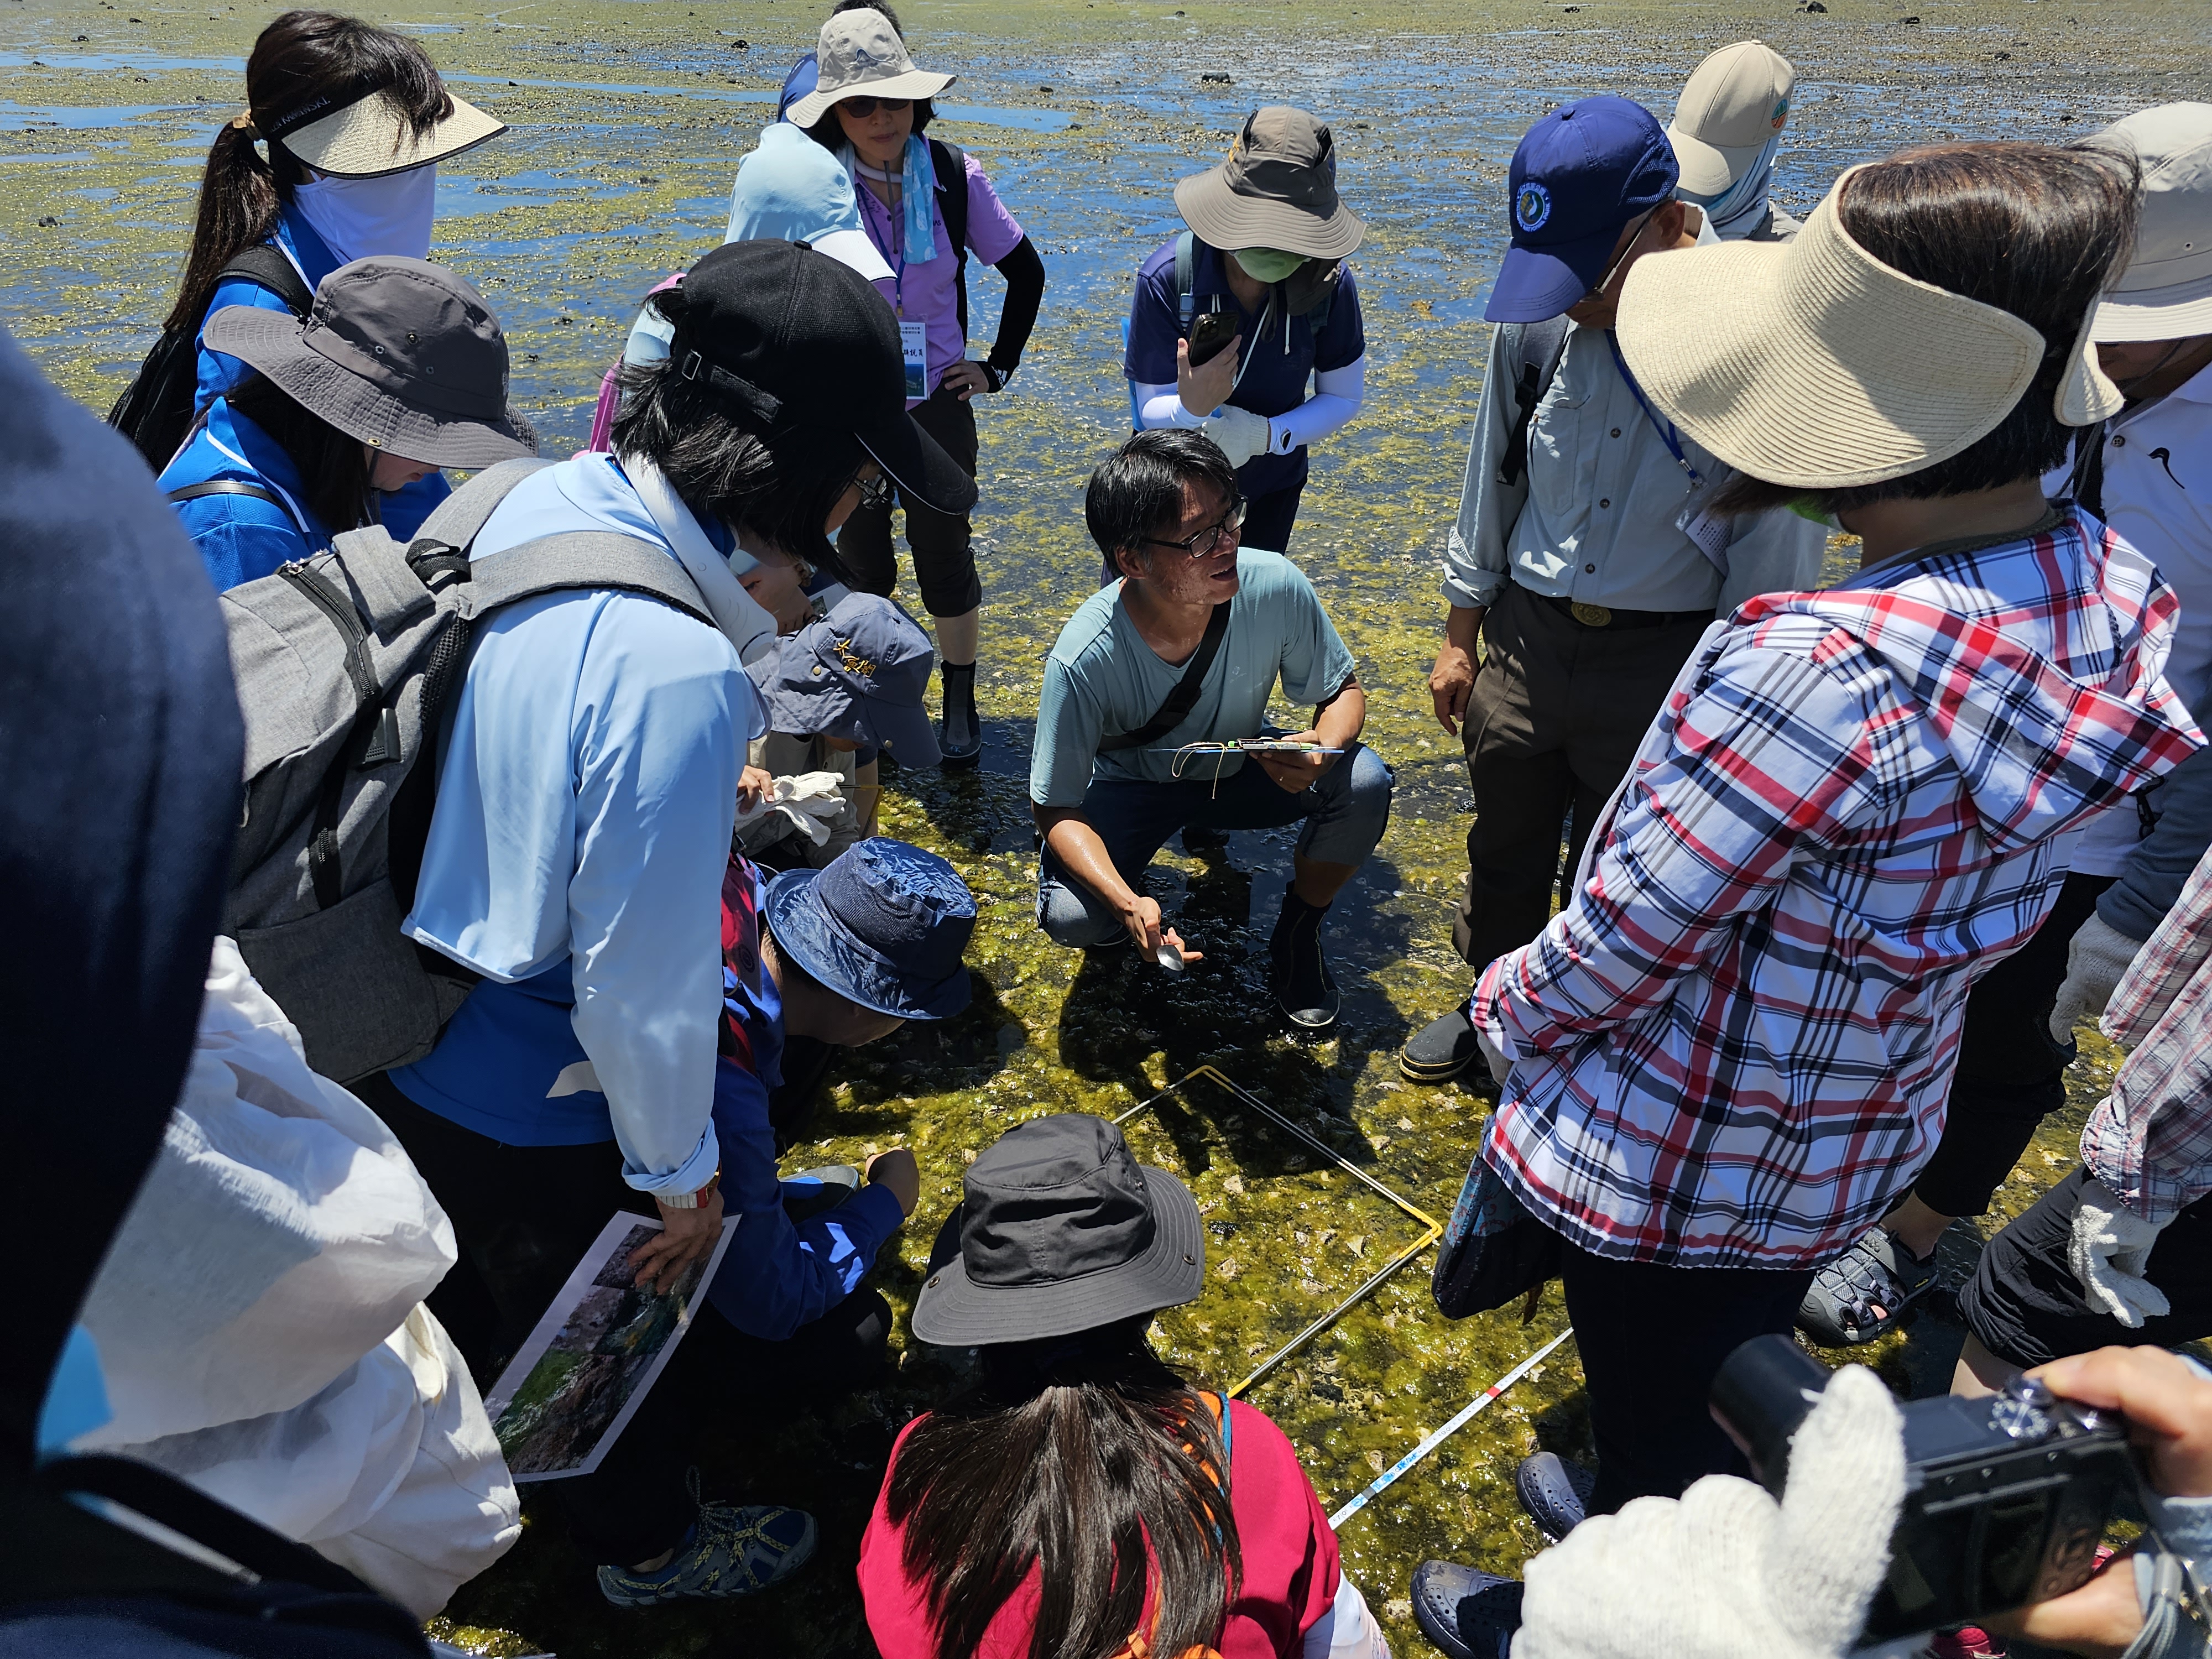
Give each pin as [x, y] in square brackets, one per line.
[399, 353]
[860, 52]
[1276, 190]
[1812, 364]
[363, 133]
[2165, 292]
[1736, 100]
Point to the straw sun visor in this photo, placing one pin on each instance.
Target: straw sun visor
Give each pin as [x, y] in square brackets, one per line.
[1812, 364]
[372, 137]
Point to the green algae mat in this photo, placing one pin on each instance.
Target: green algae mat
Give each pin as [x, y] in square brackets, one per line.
[628, 118]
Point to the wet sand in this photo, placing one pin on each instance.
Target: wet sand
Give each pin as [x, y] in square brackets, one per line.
[628, 118]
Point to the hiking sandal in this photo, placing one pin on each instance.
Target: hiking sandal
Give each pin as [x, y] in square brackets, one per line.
[1876, 1272]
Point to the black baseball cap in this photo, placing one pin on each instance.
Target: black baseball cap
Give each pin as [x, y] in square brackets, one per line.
[1579, 176]
[794, 340]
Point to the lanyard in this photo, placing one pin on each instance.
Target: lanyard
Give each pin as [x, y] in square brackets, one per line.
[1664, 428]
[897, 261]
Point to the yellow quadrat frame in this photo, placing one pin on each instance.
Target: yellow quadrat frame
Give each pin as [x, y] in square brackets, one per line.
[1432, 1229]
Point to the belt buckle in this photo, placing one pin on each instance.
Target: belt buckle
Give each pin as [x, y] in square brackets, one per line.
[1590, 616]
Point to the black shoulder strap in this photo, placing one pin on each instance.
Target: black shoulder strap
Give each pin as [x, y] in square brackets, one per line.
[264, 262]
[225, 487]
[1181, 700]
[951, 164]
[2087, 486]
[1534, 350]
[1186, 279]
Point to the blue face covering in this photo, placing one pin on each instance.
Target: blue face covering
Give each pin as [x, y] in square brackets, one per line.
[917, 197]
[1736, 211]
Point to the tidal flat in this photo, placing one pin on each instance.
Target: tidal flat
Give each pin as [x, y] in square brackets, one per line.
[628, 118]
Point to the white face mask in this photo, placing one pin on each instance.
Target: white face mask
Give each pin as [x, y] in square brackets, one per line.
[359, 217]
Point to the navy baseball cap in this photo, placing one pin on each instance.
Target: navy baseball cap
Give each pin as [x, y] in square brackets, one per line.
[805, 75]
[1581, 174]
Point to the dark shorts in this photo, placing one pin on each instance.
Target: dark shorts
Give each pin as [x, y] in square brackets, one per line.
[2025, 1304]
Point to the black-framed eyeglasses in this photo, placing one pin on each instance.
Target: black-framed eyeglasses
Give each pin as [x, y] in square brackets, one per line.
[864, 108]
[1642, 225]
[1208, 540]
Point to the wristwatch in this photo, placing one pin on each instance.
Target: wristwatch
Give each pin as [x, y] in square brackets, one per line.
[697, 1201]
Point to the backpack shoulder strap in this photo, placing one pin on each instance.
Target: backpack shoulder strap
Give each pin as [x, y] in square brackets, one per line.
[580, 559]
[1186, 278]
[266, 264]
[455, 520]
[1184, 697]
[1532, 351]
[227, 487]
[950, 162]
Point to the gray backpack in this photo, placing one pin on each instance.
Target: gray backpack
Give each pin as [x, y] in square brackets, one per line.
[343, 664]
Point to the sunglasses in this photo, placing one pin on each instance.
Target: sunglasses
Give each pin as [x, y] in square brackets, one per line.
[864, 108]
[1208, 540]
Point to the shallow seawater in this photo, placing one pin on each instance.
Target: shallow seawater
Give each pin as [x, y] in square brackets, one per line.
[627, 121]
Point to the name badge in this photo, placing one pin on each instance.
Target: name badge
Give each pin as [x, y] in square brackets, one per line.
[1712, 532]
[914, 344]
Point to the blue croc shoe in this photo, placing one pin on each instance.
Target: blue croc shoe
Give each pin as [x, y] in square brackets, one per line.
[1555, 1492]
[730, 1551]
[1464, 1613]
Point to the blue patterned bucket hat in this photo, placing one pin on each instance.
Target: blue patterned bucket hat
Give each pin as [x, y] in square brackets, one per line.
[883, 925]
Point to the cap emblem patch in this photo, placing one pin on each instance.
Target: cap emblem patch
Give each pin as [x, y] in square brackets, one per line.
[1532, 206]
[1781, 113]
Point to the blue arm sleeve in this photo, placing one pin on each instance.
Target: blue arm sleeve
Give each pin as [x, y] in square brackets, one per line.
[218, 372]
[2138, 901]
[776, 1277]
[239, 539]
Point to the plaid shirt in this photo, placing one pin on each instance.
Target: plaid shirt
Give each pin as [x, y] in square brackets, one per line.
[1733, 1048]
[2150, 1139]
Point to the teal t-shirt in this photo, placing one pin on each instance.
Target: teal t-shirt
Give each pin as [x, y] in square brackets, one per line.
[1102, 677]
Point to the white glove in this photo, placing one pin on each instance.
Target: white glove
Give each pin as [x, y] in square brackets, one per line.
[1725, 1572]
[1240, 433]
[2096, 960]
[2110, 1249]
[809, 802]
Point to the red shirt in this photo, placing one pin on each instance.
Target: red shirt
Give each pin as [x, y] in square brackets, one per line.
[1291, 1564]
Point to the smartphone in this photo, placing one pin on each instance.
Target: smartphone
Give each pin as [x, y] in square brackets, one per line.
[1210, 334]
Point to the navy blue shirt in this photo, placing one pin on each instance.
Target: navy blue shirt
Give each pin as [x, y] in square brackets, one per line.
[1277, 371]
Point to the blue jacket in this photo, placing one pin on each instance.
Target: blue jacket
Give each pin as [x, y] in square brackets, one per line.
[218, 373]
[242, 538]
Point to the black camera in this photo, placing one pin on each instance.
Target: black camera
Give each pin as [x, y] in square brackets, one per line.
[2006, 1499]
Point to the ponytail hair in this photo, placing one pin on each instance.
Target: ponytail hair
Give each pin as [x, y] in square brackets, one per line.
[1072, 1455]
[302, 57]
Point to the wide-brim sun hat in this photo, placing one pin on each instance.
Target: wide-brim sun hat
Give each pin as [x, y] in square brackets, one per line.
[399, 353]
[1812, 365]
[1061, 1231]
[883, 925]
[368, 135]
[1275, 189]
[2165, 292]
[861, 54]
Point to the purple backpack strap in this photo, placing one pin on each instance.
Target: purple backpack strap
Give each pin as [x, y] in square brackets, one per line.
[602, 414]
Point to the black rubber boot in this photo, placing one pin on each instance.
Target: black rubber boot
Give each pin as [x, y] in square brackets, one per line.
[1305, 989]
[959, 733]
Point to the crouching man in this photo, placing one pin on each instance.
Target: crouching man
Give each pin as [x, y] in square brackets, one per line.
[1151, 675]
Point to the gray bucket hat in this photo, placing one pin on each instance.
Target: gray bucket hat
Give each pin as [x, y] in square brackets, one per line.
[860, 53]
[399, 353]
[1276, 190]
[1061, 1229]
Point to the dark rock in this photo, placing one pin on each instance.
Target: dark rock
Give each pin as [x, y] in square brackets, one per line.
[49, 223]
[1814, 5]
[1216, 78]
[742, 43]
[79, 37]
[2001, 57]
[1044, 88]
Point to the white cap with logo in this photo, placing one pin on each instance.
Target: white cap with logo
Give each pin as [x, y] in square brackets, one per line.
[1734, 104]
